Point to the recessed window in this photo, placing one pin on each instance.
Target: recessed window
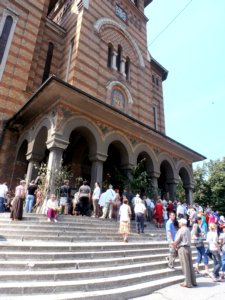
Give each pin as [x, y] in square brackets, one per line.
[110, 55]
[48, 61]
[7, 28]
[153, 78]
[127, 68]
[157, 81]
[118, 58]
[5, 36]
[155, 116]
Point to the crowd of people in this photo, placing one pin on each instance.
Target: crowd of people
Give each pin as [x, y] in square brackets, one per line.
[206, 229]
[183, 223]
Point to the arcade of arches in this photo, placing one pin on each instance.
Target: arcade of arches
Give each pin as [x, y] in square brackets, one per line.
[94, 154]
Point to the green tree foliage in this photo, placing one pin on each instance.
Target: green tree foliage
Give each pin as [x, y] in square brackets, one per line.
[180, 191]
[210, 184]
[216, 181]
[140, 181]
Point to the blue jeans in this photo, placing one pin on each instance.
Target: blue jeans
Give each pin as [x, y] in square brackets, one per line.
[223, 261]
[139, 218]
[29, 203]
[2, 208]
[217, 263]
[201, 253]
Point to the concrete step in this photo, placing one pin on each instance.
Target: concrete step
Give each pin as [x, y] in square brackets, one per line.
[67, 263]
[55, 256]
[46, 287]
[29, 246]
[80, 258]
[75, 273]
[65, 227]
[120, 293]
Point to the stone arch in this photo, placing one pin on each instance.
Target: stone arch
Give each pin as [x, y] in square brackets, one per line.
[44, 122]
[185, 173]
[168, 177]
[143, 148]
[25, 136]
[20, 163]
[88, 128]
[107, 22]
[39, 148]
[165, 157]
[124, 142]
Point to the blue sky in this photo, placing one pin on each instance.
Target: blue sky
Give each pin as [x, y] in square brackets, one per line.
[192, 49]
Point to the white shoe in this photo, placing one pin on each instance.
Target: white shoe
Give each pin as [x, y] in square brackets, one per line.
[102, 217]
[55, 221]
[49, 220]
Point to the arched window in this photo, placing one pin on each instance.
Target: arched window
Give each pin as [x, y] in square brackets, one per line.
[48, 61]
[7, 27]
[127, 68]
[5, 35]
[118, 59]
[110, 55]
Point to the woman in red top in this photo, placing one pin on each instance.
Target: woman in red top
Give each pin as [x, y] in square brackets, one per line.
[158, 213]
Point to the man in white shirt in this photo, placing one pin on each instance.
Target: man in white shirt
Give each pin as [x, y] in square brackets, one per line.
[180, 210]
[3, 192]
[139, 210]
[109, 198]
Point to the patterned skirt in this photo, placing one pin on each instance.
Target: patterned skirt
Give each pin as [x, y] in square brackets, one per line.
[124, 227]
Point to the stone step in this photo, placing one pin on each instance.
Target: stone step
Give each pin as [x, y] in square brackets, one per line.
[78, 239]
[82, 263]
[69, 220]
[75, 273]
[67, 263]
[55, 256]
[29, 246]
[120, 293]
[80, 258]
[71, 228]
[46, 287]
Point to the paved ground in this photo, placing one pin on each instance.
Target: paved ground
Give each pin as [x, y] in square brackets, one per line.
[206, 290]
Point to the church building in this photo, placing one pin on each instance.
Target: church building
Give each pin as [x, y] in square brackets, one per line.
[78, 86]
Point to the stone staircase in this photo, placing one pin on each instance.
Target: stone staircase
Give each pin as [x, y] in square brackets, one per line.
[80, 258]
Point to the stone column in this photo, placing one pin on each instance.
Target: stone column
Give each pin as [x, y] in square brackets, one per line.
[172, 186]
[114, 57]
[189, 193]
[97, 168]
[56, 147]
[53, 167]
[33, 165]
[122, 67]
[154, 178]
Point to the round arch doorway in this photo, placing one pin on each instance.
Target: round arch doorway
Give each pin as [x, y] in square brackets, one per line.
[76, 156]
[114, 168]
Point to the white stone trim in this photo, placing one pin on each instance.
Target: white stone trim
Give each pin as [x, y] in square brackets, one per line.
[111, 84]
[6, 13]
[110, 22]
